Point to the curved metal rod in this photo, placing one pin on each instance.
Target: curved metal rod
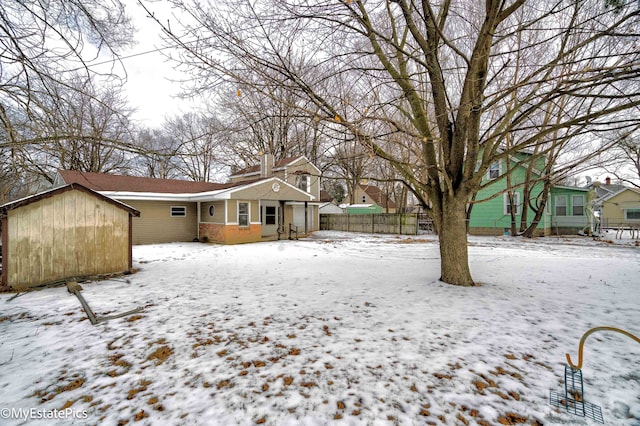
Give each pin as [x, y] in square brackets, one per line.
[593, 330]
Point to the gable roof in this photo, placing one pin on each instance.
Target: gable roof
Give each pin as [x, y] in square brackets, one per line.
[605, 190]
[108, 182]
[300, 195]
[59, 190]
[378, 196]
[615, 194]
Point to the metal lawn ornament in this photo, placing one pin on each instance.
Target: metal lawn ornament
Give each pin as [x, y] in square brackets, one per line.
[573, 398]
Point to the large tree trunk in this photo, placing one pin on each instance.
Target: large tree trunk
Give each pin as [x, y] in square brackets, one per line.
[452, 235]
[544, 195]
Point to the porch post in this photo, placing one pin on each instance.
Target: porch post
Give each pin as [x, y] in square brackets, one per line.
[306, 216]
[199, 219]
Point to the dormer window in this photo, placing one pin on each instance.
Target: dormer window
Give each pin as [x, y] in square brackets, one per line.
[494, 170]
[304, 182]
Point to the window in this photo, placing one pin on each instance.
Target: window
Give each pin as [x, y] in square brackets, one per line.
[212, 210]
[364, 199]
[516, 203]
[270, 215]
[577, 207]
[304, 182]
[243, 214]
[561, 205]
[547, 205]
[494, 170]
[632, 214]
[178, 211]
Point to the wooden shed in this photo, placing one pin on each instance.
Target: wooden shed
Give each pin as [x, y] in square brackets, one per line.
[68, 232]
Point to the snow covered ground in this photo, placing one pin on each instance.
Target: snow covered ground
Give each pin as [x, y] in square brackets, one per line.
[336, 329]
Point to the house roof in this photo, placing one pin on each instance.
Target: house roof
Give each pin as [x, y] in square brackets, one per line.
[378, 196]
[142, 188]
[604, 190]
[108, 182]
[59, 190]
[615, 194]
[325, 197]
[571, 188]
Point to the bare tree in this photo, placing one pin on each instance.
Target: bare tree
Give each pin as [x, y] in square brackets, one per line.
[78, 127]
[199, 145]
[159, 157]
[261, 124]
[349, 163]
[623, 160]
[278, 123]
[43, 46]
[441, 75]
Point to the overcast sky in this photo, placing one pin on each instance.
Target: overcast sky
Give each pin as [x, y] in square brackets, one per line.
[149, 87]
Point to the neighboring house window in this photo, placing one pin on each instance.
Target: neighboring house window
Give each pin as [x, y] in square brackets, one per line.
[364, 199]
[212, 210]
[561, 205]
[270, 215]
[577, 207]
[178, 211]
[494, 170]
[516, 203]
[632, 214]
[304, 182]
[243, 214]
[547, 205]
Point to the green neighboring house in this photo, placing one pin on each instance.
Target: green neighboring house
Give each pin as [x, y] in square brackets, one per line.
[363, 209]
[491, 212]
[568, 209]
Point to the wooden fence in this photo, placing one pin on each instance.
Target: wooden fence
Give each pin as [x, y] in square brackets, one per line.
[381, 223]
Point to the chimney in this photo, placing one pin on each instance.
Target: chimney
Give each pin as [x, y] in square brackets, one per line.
[266, 165]
[607, 180]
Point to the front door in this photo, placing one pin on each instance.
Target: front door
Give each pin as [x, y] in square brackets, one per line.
[270, 218]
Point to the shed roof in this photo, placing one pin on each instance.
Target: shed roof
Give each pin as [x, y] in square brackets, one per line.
[4, 209]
